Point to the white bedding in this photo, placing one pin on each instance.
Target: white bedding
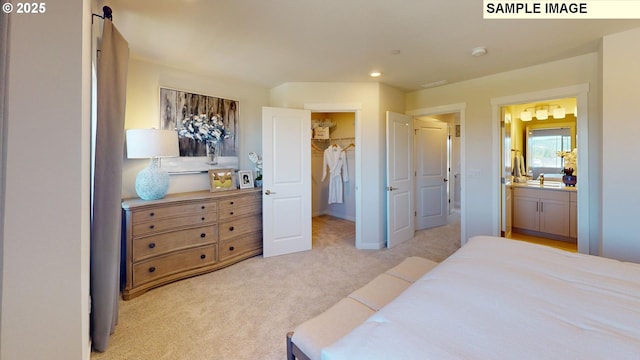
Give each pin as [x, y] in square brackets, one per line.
[504, 299]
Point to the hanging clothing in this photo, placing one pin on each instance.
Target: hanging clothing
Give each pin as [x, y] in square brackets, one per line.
[336, 160]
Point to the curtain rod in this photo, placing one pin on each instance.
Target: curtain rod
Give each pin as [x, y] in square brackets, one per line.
[107, 13]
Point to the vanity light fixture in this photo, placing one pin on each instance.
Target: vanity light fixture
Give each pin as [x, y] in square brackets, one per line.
[542, 112]
[526, 115]
[559, 112]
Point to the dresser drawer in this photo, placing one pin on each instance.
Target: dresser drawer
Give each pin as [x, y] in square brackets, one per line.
[241, 245]
[229, 204]
[172, 211]
[155, 245]
[239, 211]
[160, 225]
[158, 267]
[236, 227]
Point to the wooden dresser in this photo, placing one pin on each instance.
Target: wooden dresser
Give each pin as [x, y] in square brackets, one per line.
[188, 234]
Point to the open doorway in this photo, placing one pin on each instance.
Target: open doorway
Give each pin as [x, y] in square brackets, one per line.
[333, 175]
[449, 154]
[536, 205]
[582, 194]
[453, 117]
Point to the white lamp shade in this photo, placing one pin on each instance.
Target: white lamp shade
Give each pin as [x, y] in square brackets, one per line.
[149, 143]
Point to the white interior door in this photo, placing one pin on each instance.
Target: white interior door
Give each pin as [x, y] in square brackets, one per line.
[400, 208]
[431, 174]
[286, 180]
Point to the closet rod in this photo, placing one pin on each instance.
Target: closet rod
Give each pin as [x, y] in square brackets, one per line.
[344, 138]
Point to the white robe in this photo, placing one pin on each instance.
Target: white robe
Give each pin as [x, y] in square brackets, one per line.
[336, 160]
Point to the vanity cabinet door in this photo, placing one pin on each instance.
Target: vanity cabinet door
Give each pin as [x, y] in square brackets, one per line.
[554, 217]
[526, 213]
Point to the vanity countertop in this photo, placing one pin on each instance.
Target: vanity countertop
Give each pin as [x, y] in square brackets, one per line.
[548, 185]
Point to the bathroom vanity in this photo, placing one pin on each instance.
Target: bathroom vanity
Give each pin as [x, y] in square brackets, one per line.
[545, 210]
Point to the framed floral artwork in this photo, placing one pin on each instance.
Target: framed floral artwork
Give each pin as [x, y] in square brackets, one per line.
[222, 179]
[207, 129]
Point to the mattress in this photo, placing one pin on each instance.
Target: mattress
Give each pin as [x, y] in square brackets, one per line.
[504, 299]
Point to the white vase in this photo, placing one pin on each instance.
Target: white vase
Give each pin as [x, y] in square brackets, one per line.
[213, 151]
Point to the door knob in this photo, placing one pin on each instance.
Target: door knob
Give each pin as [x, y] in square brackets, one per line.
[391, 188]
[445, 179]
[268, 192]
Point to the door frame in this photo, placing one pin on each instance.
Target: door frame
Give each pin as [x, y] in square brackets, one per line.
[447, 109]
[581, 93]
[355, 108]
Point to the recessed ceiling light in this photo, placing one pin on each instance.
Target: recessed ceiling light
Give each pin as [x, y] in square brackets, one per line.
[479, 51]
[395, 52]
[375, 74]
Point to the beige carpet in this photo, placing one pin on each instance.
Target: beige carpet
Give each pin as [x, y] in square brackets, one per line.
[245, 311]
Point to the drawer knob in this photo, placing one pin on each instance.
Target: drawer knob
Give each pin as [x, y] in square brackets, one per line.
[231, 228]
[231, 213]
[152, 269]
[203, 218]
[202, 207]
[152, 245]
[152, 214]
[203, 235]
[152, 226]
[231, 248]
[231, 202]
[203, 256]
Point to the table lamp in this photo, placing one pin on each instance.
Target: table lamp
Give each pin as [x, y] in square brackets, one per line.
[152, 182]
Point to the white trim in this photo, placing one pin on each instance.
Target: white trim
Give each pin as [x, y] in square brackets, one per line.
[446, 109]
[580, 92]
[357, 109]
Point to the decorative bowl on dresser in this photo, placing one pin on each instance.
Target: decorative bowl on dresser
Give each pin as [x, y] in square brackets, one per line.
[188, 234]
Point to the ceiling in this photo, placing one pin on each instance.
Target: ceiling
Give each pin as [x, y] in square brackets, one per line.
[412, 42]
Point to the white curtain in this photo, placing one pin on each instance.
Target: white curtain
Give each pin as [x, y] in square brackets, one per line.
[106, 221]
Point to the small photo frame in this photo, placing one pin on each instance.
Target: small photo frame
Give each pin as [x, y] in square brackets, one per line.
[245, 178]
[222, 179]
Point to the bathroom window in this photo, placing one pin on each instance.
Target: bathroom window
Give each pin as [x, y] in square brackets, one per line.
[542, 149]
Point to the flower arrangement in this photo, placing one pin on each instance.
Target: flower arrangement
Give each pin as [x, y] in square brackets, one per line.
[570, 160]
[203, 129]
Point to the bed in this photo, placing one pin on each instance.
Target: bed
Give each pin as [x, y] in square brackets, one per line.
[504, 299]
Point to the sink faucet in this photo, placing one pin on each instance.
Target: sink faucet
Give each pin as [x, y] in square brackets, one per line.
[541, 177]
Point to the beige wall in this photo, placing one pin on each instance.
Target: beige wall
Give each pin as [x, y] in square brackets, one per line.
[143, 111]
[45, 296]
[481, 194]
[620, 129]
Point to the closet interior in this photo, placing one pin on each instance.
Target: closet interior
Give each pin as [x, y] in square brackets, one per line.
[333, 194]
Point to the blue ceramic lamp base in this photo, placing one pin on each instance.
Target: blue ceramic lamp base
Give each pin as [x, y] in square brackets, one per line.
[152, 182]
